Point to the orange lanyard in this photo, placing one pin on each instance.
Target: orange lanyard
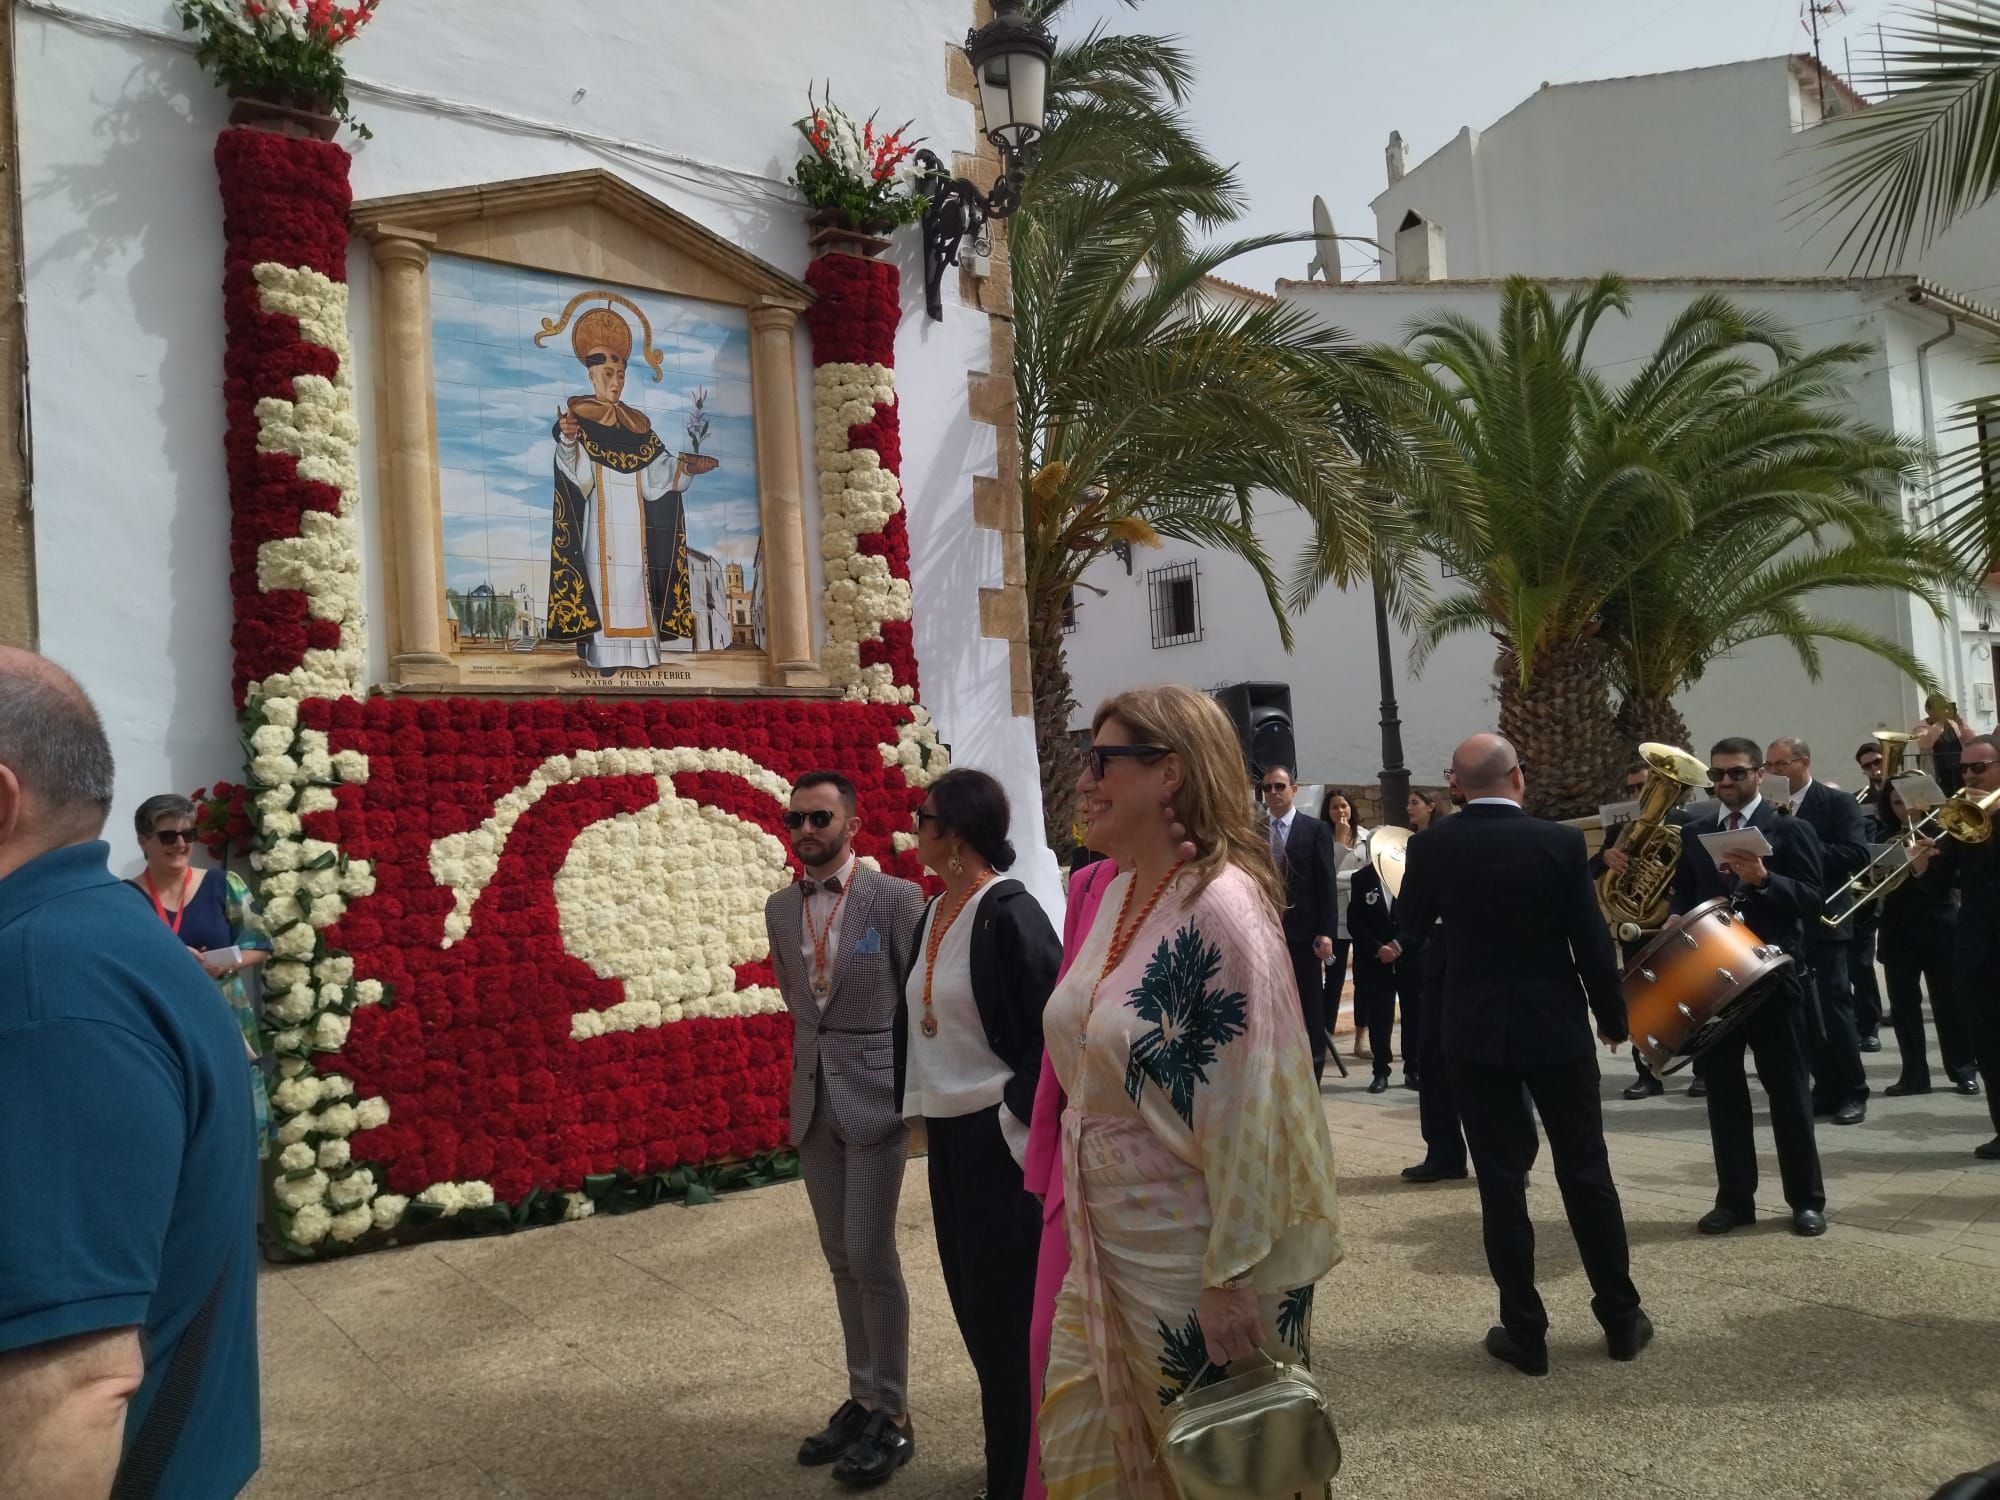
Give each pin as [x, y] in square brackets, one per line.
[1121, 939]
[160, 907]
[821, 985]
[938, 930]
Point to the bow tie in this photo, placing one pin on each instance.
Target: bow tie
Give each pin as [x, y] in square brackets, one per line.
[831, 885]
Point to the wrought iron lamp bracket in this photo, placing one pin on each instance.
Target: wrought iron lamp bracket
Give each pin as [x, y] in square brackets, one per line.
[955, 210]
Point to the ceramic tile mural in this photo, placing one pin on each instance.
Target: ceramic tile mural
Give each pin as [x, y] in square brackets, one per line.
[597, 467]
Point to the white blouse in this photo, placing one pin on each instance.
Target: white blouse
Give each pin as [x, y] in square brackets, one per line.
[955, 1072]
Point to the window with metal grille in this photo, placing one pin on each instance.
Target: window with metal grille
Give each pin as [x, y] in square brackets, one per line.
[1175, 591]
[1069, 612]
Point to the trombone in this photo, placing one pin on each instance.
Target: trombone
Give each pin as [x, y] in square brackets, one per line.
[1963, 817]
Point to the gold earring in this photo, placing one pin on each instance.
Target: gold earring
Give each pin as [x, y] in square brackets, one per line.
[955, 864]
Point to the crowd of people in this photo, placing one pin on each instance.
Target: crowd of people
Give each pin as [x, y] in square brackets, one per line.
[1130, 1174]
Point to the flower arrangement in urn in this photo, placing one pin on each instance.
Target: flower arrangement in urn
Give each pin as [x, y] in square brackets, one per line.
[283, 55]
[856, 174]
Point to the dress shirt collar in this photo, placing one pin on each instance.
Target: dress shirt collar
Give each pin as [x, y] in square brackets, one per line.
[1493, 802]
[844, 875]
[1747, 813]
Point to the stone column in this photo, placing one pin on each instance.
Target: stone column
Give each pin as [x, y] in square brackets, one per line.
[787, 584]
[401, 256]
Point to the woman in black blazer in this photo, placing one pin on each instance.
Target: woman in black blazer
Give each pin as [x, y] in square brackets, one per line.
[970, 1042]
[1914, 944]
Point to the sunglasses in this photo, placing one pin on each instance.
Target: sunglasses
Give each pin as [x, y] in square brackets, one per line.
[921, 816]
[172, 836]
[1977, 765]
[1732, 773]
[1274, 786]
[1101, 756]
[797, 820]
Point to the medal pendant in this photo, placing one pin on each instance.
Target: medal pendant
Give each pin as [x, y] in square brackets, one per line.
[821, 986]
[930, 1026]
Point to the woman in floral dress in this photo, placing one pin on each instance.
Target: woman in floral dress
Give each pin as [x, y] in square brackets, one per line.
[1199, 1188]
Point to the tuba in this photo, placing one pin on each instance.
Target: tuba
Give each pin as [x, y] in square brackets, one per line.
[1636, 895]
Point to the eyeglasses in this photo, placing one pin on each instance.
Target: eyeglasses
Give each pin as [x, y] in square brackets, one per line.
[172, 836]
[1274, 786]
[1101, 756]
[819, 818]
[1789, 760]
[921, 816]
[1871, 765]
[1732, 773]
[1977, 765]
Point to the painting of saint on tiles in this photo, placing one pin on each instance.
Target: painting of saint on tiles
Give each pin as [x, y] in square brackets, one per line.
[597, 468]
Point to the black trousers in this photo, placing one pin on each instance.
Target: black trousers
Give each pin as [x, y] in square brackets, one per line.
[1336, 982]
[1976, 988]
[1437, 1099]
[1838, 1076]
[1868, 1012]
[1377, 989]
[989, 1233]
[1916, 962]
[1311, 981]
[1775, 1037]
[1500, 1129]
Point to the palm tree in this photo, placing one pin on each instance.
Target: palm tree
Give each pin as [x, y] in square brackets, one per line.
[1623, 538]
[1149, 405]
[1905, 169]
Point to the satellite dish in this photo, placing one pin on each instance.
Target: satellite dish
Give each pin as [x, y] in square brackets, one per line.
[1327, 261]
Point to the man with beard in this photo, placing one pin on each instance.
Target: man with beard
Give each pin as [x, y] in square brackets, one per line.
[841, 946]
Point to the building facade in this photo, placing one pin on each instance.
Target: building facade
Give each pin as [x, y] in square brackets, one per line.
[1541, 193]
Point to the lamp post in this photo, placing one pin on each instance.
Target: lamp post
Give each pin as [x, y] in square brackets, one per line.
[1010, 58]
[1394, 778]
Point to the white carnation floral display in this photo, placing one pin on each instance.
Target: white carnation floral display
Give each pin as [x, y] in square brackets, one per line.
[669, 899]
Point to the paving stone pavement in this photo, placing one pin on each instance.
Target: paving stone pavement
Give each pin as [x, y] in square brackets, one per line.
[683, 1352]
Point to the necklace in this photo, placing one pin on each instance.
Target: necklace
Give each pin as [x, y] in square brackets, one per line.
[1121, 939]
[938, 930]
[822, 982]
[160, 907]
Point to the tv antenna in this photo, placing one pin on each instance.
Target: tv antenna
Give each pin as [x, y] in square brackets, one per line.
[1818, 17]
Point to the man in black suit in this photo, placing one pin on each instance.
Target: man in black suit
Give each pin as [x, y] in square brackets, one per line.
[1840, 1082]
[1777, 895]
[1529, 961]
[1381, 978]
[1975, 870]
[1303, 850]
[1861, 980]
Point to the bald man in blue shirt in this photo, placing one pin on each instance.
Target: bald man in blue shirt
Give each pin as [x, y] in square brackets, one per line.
[128, 1300]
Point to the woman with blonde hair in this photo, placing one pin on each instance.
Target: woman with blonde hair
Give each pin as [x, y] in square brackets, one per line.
[1198, 1172]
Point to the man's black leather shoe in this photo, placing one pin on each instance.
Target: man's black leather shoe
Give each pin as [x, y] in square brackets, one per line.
[1425, 1171]
[1697, 1090]
[1509, 1350]
[1379, 1084]
[1853, 1112]
[1645, 1088]
[1627, 1342]
[1722, 1220]
[842, 1428]
[1900, 1089]
[1809, 1222]
[1968, 1086]
[1988, 1152]
[1871, 1044]
[880, 1451]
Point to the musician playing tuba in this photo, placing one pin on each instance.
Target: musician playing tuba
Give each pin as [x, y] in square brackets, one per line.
[1639, 869]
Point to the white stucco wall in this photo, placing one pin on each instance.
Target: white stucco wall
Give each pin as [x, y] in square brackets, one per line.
[1696, 173]
[122, 241]
[1762, 691]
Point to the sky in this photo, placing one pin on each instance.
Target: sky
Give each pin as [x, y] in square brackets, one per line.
[497, 398]
[1302, 94]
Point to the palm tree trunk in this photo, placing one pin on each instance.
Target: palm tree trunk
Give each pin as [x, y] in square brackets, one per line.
[1650, 718]
[1560, 722]
[1055, 701]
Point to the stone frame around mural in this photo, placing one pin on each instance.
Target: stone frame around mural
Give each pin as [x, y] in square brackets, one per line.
[594, 225]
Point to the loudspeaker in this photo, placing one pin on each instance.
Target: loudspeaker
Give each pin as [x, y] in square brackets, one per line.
[1262, 714]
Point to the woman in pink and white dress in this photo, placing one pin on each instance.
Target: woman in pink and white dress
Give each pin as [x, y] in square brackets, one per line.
[1199, 1191]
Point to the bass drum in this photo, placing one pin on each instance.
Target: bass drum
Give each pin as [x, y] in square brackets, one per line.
[1702, 977]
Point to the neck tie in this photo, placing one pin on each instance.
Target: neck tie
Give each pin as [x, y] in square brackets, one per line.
[831, 885]
[1278, 843]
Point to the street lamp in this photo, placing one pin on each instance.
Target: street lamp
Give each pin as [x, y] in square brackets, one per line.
[1010, 58]
[1395, 776]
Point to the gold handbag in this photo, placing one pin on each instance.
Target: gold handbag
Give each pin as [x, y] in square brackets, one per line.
[1266, 1434]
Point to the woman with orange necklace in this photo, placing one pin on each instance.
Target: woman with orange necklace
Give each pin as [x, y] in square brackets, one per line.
[971, 1035]
[1199, 1187]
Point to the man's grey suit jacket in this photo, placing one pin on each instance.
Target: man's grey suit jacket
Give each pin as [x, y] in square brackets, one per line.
[851, 1040]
